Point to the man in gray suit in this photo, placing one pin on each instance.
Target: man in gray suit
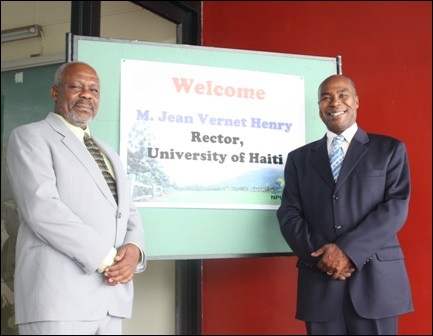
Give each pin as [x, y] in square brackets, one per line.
[352, 278]
[78, 245]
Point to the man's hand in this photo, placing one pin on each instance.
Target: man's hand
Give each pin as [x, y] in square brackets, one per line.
[123, 269]
[334, 262]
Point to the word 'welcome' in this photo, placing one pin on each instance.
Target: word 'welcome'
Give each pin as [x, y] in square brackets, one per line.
[188, 85]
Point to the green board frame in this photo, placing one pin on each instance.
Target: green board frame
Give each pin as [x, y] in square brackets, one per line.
[188, 233]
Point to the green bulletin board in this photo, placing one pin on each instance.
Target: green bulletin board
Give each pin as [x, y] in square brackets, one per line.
[198, 233]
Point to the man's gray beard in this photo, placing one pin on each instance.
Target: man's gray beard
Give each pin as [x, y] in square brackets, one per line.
[76, 121]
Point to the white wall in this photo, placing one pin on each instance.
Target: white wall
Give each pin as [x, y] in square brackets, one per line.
[154, 301]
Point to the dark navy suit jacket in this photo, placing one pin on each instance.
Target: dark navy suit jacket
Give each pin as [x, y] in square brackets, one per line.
[361, 213]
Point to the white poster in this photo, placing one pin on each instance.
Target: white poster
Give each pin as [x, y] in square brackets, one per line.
[208, 137]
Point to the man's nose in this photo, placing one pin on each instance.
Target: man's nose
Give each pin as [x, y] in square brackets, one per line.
[335, 100]
[86, 93]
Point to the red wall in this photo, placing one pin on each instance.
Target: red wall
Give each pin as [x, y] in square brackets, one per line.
[386, 49]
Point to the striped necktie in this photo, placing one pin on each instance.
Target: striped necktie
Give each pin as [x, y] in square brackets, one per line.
[96, 153]
[336, 156]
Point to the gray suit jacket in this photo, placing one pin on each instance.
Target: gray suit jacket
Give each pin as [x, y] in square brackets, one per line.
[361, 213]
[69, 220]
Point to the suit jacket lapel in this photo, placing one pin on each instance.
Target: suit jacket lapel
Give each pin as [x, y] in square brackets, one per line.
[320, 161]
[82, 154]
[355, 152]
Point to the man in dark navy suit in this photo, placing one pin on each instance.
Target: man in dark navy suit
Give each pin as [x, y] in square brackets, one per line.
[352, 278]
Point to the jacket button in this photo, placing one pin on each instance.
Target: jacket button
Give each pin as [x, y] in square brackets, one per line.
[336, 197]
[338, 227]
[119, 215]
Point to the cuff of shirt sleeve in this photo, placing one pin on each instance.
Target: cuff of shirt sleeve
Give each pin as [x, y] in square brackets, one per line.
[108, 261]
[142, 264]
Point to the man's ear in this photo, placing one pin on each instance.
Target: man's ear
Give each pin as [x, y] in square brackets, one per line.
[54, 93]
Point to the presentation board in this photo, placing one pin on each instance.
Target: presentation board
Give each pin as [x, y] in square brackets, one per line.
[204, 134]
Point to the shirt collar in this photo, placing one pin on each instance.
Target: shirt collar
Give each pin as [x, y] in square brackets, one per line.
[78, 131]
[348, 134]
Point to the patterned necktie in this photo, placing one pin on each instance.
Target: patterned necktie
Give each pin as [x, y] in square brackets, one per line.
[96, 153]
[336, 156]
